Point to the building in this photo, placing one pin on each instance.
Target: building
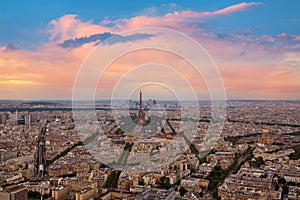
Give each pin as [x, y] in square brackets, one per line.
[291, 177]
[14, 193]
[194, 184]
[224, 159]
[154, 193]
[124, 182]
[86, 194]
[61, 193]
[6, 155]
[3, 118]
[250, 183]
[294, 193]
[117, 194]
[265, 137]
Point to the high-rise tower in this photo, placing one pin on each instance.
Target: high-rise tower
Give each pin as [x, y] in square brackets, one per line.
[141, 115]
[141, 100]
[140, 119]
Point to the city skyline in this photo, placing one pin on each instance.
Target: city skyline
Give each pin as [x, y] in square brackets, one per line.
[254, 44]
[144, 100]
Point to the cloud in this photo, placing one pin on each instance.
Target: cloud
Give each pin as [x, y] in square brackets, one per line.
[282, 35]
[161, 10]
[130, 38]
[228, 10]
[268, 38]
[18, 82]
[10, 47]
[297, 37]
[248, 31]
[179, 20]
[172, 10]
[70, 27]
[72, 43]
[251, 65]
[278, 44]
[235, 8]
[102, 37]
[40, 74]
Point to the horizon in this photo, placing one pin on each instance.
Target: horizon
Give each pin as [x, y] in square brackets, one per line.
[70, 100]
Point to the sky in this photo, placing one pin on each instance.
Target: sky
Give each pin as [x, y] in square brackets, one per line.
[255, 46]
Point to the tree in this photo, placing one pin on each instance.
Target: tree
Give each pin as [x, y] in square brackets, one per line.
[182, 191]
[112, 180]
[257, 163]
[281, 180]
[164, 183]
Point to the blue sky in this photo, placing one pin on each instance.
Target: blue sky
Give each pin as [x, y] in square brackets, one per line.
[23, 22]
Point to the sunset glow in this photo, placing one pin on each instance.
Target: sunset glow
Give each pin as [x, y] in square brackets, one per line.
[258, 58]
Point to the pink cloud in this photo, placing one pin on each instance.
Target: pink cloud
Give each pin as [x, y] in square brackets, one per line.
[236, 8]
[52, 70]
[44, 73]
[297, 37]
[41, 74]
[248, 31]
[282, 35]
[175, 19]
[269, 38]
[70, 27]
[230, 9]
[259, 80]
